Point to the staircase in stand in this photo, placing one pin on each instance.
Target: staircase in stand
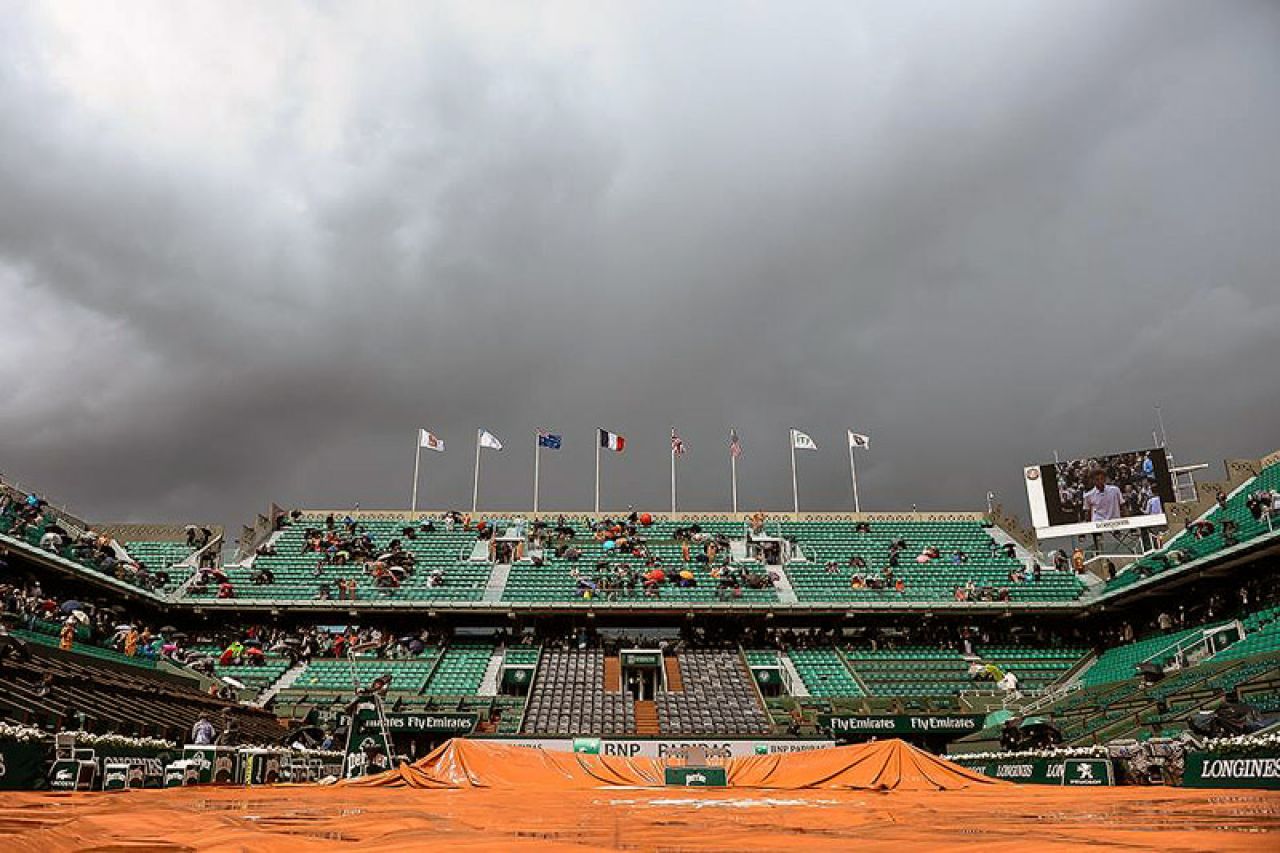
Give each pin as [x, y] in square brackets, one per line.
[675, 682]
[286, 680]
[646, 713]
[612, 674]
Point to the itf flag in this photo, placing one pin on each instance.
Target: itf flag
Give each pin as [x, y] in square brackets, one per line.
[858, 442]
[430, 441]
[612, 441]
[802, 441]
[489, 440]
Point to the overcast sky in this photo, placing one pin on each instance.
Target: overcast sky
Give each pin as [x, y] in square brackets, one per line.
[246, 250]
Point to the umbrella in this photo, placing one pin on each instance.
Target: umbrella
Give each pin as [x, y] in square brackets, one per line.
[177, 635]
[123, 628]
[997, 717]
[232, 682]
[117, 608]
[168, 629]
[253, 650]
[253, 641]
[72, 605]
[81, 617]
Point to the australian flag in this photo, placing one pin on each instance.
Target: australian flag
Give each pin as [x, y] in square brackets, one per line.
[551, 441]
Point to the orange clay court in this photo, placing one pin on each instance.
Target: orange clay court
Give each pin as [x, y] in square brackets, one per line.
[470, 795]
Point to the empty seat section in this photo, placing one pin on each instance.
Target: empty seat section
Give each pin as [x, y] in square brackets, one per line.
[718, 697]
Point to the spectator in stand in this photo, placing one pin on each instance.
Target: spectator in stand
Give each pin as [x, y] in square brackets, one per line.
[1230, 532]
[51, 541]
[67, 635]
[1077, 560]
[203, 733]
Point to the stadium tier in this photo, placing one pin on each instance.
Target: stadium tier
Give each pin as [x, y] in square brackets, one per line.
[1231, 525]
[1188, 671]
[87, 690]
[967, 554]
[294, 571]
[691, 561]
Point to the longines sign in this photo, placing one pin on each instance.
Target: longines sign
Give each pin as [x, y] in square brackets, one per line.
[1210, 770]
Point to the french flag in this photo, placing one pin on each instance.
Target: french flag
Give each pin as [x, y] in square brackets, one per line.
[612, 441]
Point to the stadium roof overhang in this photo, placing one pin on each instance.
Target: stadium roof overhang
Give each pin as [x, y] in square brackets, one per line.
[1217, 564]
[62, 566]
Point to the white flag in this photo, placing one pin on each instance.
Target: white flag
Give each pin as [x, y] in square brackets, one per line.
[858, 442]
[430, 441]
[488, 439]
[802, 441]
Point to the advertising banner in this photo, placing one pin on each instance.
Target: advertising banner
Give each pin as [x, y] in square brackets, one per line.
[1045, 771]
[667, 748]
[903, 724]
[21, 764]
[1216, 770]
[696, 777]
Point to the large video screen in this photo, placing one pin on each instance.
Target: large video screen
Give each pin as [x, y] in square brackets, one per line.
[1099, 493]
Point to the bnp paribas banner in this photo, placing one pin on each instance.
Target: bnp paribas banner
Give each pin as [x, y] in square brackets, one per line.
[1216, 770]
[903, 724]
[667, 748]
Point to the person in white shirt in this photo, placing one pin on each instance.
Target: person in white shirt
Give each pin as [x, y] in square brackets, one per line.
[1102, 502]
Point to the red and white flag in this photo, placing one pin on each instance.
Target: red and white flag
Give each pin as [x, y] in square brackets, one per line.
[735, 446]
[677, 444]
[612, 441]
[430, 441]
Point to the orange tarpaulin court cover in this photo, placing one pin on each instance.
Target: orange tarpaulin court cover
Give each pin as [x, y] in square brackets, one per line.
[476, 797]
[881, 765]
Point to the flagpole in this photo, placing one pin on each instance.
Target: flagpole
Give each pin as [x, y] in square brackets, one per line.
[475, 484]
[853, 475]
[537, 457]
[673, 473]
[795, 490]
[733, 478]
[417, 458]
[597, 505]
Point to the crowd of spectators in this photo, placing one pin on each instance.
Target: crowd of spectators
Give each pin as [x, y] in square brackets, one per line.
[631, 564]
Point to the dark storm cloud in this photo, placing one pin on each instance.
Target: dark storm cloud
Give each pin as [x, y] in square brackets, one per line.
[245, 252]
